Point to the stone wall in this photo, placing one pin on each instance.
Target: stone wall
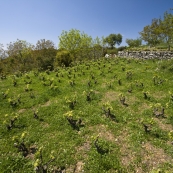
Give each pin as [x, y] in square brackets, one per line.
[146, 54]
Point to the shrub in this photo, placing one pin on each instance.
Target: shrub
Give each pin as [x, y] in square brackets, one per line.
[112, 51]
[63, 57]
[121, 48]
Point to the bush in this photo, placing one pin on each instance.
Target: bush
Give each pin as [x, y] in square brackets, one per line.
[112, 51]
[121, 48]
[63, 57]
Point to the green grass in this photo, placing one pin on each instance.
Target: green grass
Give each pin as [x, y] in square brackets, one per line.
[37, 126]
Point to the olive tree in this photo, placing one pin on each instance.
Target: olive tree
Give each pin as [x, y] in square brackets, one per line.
[113, 39]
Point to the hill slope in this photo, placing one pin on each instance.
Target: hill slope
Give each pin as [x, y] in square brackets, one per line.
[109, 115]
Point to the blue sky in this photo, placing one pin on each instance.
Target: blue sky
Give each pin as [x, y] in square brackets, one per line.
[32, 20]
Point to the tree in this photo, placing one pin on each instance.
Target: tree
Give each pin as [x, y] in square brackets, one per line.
[44, 44]
[44, 54]
[97, 47]
[17, 47]
[166, 29]
[152, 33]
[160, 30]
[76, 42]
[134, 42]
[19, 53]
[113, 39]
[2, 52]
[44, 58]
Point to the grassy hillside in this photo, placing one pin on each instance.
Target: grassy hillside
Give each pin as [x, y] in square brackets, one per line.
[109, 115]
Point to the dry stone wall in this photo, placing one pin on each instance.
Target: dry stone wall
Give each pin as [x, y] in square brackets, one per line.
[146, 54]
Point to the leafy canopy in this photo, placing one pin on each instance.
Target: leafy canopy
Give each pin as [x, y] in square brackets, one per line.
[160, 31]
[74, 40]
[113, 39]
[134, 42]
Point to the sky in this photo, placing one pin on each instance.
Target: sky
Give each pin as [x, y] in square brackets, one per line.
[32, 20]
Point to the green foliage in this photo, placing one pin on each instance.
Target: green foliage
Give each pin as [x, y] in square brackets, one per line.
[113, 39]
[44, 58]
[112, 51]
[167, 65]
[76, 42]
[104, 115]
[166, 28]
[134, 42]
[160, 31]
[151, 33]
[22, 56]
[63, 58]
[2, 52]
[44, 44]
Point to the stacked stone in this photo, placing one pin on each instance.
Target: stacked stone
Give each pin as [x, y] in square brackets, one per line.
[146, 54]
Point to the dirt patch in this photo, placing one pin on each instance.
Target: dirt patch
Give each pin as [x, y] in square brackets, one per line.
[70, 169]
[110, 96]
[83, 150]
[85, 147]
[96, 92]
[102, 131]
[127, 155]
[32, 151]
[46, 104]
[163, 126]
[30, 156]
[143, 107]
[21, 110]
[152, 157]
[45, 125]
[79, 167]
[159, 95]
[80, 151]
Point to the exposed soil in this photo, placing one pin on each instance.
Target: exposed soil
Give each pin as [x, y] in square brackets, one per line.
[102, 131]
[79, 167]
[46, 104]
[152, 157]
[110, 96]
[127, 155]
[21, 110]
[163, 126]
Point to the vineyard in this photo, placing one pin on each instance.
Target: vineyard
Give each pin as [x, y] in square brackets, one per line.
[105, 115]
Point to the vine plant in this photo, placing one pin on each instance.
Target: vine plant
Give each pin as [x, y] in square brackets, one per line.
[75, 123]
[20, 144]
[107, 108]
[10, 123]
[39, 165]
